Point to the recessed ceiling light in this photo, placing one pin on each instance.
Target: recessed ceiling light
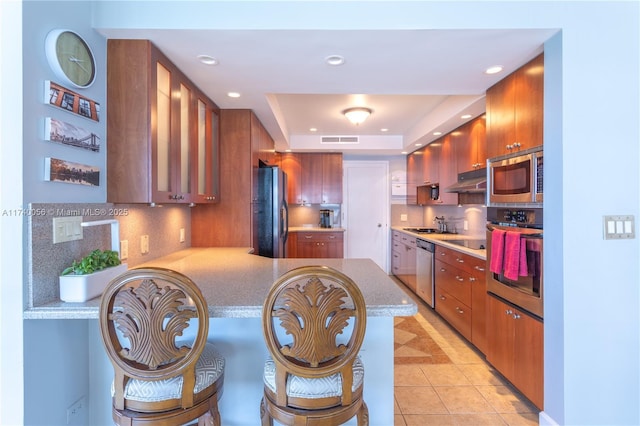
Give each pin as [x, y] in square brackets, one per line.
[233, 94]
[464, 117]
[334, 60]
[403, 152]
[418, 144]
[384, 129]
[208, 60]
[437, 133]
[494, 69]
[313, 129]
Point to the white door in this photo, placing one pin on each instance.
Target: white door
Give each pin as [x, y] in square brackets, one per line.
[366, 210]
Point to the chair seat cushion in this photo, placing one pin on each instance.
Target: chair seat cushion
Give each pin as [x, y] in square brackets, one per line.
[313, 388]
[209, 367]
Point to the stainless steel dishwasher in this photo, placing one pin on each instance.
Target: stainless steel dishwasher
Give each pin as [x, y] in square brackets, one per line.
[424, 270]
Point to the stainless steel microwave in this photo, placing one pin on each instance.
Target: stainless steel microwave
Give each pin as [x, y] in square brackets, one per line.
[516, 179]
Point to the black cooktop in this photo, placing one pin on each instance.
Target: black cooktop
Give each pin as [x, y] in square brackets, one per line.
[422, 230]
[472, 244]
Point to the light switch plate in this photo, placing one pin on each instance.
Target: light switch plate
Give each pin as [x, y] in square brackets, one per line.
[619, 227]
[67, 228]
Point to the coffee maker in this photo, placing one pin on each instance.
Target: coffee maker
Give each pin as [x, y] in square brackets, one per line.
[326, 218]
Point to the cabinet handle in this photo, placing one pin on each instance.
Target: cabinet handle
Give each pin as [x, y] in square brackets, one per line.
[459, 260]
[331, 237]
[460, 311]
[308, 237]
[508, 312]
[472, 279]
[442, 297]
[516, 316]
[443, 270]
[443, 254]
[478, 268]
[459, 278]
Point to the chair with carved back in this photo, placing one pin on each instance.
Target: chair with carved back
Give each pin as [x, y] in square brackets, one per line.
[165, 373]
[314, 321]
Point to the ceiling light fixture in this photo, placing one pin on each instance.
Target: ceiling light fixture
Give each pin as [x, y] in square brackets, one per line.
[357, 115]
[233, 94]
[207, 60]
[493, 70]
[464, 117]
[334, 60]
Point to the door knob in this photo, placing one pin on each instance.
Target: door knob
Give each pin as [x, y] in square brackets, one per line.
[379, 225]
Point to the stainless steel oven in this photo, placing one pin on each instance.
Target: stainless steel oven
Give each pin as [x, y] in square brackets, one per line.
[515, 257]
[516, 179]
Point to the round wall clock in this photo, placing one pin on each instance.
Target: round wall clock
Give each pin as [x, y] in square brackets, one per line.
[70, 58]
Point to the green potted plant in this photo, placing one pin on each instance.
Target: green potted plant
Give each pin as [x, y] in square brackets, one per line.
[88, 277]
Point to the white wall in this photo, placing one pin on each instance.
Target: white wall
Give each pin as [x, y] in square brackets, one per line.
[11, 271]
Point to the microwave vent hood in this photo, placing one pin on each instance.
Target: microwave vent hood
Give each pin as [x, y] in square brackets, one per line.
[473, 181]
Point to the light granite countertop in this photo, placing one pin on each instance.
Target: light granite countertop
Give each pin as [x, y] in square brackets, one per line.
[314, 229]
[441, 239]
[235, 284]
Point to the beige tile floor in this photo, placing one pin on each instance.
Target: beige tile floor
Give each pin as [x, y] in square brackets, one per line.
[461, 390]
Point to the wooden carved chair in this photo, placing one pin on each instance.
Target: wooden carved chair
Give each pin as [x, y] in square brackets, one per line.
[165, 373]
[314, 321]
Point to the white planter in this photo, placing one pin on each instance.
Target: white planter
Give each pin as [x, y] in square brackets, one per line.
[80, 288]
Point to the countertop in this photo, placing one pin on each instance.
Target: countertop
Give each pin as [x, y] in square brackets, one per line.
[440, 239]
[314, 229]
[235, 284]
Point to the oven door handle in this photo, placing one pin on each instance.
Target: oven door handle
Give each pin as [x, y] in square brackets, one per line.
[523, 231]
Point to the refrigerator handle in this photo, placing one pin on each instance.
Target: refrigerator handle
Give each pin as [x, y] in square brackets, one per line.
[284, 221]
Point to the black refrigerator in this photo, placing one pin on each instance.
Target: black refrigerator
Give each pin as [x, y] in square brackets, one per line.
[271, 211]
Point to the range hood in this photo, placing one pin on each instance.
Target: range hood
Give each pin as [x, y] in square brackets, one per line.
[474, 181]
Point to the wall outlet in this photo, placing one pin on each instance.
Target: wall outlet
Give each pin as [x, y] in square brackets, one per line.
[144, 244]
[465, 225]
[182, 235]
[124, 249]
[76, 413]
[403, 218]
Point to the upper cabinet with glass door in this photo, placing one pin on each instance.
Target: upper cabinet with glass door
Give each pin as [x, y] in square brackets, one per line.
[162, 132]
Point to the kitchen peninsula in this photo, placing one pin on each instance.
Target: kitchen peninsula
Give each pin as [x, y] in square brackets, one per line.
[235, 284]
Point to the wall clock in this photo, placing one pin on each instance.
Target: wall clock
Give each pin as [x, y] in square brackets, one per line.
[70, 58]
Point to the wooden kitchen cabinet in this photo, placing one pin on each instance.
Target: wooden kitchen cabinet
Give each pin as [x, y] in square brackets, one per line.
[470, 145]
[313, 178]
[515, 110]
[461, 294]
[515, 348]
[439, 168]
[230, 222]
[403, 260]
[206, 155]
[415, 172]
[310, 244]
[154, 154]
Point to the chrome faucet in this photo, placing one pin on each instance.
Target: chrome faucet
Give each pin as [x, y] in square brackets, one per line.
[442, 226]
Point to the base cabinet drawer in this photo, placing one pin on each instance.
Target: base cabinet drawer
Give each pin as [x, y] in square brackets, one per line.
[454, 281]
[455, 312]
[316, 245]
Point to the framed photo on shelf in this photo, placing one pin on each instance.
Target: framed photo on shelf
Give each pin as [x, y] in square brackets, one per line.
[57, 170]
[68, 100]
[71, 135]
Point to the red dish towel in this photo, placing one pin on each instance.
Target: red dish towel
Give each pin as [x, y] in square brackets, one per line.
[497, 251]
[515, 255]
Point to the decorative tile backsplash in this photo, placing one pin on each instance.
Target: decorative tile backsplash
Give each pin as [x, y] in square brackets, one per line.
[48, 260]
